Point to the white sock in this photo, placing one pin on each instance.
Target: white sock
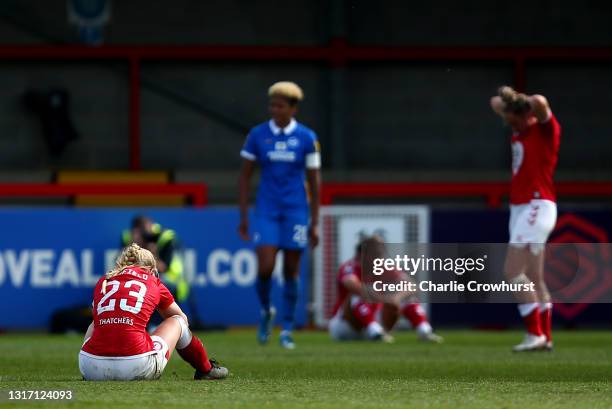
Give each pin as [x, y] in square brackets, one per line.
[374, 329]
[185, 338]
[526, 309]
[545, 306]
[424, 328]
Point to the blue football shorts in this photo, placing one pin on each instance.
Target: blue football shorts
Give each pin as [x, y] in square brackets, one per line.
[286, 230]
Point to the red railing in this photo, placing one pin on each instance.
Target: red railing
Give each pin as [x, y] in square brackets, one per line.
[197, 193]
[337, 53]
[492, 192]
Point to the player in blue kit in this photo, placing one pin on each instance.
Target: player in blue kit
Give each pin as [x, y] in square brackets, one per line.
[288, 155]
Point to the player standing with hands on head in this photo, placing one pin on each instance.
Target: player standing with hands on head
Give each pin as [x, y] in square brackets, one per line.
[288, 155]
[533, 211]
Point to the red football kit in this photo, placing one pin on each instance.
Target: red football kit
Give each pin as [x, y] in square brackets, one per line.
[348, 268]
[534, 159]
[121, 314]
[365, 312]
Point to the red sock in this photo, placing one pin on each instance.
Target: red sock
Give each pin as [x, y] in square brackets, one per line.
[196, 355]
[546, 321]
[532, 322]
[414, 313]
[364, 313]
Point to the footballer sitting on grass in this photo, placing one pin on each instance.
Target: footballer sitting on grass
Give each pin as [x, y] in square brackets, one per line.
[117, 346]
[356, 316]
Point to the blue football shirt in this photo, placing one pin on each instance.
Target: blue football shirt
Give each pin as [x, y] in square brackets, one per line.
[283, 155]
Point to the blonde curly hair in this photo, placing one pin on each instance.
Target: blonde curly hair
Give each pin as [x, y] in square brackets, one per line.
[132, 255]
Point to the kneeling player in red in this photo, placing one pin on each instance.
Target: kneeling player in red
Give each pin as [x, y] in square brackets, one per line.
[117, 346]
[357, 318]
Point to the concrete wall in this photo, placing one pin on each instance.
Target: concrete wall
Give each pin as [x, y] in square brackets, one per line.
[236, 92]
[426, 116]
[296, 22]
[580, 96]
[481, 22]
[384, 22]
[99, 107]
[418, 116]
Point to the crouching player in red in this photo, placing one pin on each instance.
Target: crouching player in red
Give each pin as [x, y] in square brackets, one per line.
[357, 318]
[117, 346]
[533, 210]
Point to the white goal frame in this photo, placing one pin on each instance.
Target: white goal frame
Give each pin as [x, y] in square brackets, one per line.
[325, 262]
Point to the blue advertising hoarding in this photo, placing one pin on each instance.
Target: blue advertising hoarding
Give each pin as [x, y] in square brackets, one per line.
[51, 259]
[574, 225]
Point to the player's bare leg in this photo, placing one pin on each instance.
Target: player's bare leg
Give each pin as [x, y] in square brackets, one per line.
[389, 316]
[517, 262]
[291, 272]
[535, 272]
[175, 331]
[170, 331]
[266, 258]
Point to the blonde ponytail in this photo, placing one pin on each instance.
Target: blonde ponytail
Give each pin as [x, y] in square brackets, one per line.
[132, 255]
[514, 102]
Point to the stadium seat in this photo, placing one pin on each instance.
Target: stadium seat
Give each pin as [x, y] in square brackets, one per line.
[95, 176]
[119, 177]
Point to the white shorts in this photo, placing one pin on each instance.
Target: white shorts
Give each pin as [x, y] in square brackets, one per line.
[531, 224]
[147, 366]
[341, 330]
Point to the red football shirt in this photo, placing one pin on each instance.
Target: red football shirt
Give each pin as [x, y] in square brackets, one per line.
[348, 268]
[120, 315]
[534, 159]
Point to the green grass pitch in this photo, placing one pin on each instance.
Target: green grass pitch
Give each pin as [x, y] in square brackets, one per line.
[470, 370]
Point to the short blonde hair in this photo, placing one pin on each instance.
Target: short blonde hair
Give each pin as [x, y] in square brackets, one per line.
[286, 89]
[132, 255]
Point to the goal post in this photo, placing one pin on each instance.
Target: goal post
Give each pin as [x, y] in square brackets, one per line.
[341, 228]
